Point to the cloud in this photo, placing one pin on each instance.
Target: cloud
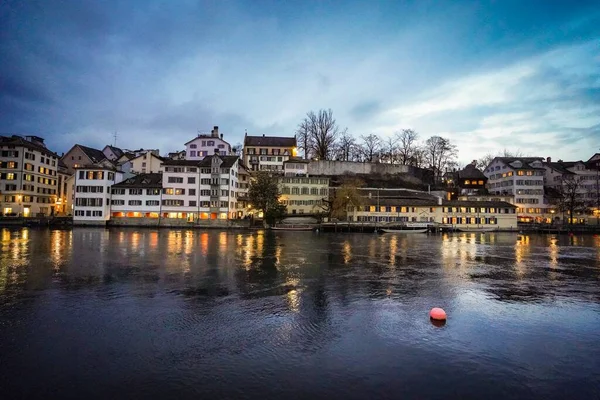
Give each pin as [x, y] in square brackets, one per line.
[488, 76]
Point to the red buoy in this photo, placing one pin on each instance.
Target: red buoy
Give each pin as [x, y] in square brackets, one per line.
[437, 314]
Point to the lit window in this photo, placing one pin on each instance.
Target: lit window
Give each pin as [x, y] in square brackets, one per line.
[467, 182]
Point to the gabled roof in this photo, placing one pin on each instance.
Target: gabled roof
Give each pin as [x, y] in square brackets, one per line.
[471, 172]
[559, 167]
[471, 203]
[150, 153]
[270, 141]
[117, 151]
[94, 155]
[15, 140]
[142, 180]
[526, 161]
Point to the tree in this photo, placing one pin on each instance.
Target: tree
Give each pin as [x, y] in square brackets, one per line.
[237, 149]
[345, 146]
[439, 152]
[322, 130]
[407, 145]
[348, 194]
[304, 139]
[371, 146]
[484, 161]
[389, 150]
[569, 197]
[263, 195]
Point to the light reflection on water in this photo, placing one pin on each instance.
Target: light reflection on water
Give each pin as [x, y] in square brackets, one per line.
[273, 308]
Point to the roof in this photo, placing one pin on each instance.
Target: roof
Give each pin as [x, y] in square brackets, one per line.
[15, 140]
[151, 155]
[142, 180]
[472, 203]
[525, 160]
[471, 172]
[207, 136]
[206, 162]
[94, 155]
[117, 151]
[560, 167]
[270, 141]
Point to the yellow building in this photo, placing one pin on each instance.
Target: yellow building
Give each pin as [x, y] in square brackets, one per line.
[268, 153]
[303, 194]
[457, 214]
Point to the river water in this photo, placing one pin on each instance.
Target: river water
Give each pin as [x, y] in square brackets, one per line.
[95, 313]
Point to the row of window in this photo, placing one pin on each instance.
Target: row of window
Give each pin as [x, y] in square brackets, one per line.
[28, 199]
[10, 153]
[89, 202]
[89, 189]
[304, 191]
[302, 202]
[470, 220]
[96, 175]
[530, 191]
[134, 202]
[305, 180]
[527, 201]
[473, 182]
[372, 218]
[274, 152]
[207, 143]
[88, 213]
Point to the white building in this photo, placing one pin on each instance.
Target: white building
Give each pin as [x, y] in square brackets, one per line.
[207, 145]
[268, 153]
[522, 177]
[295, 167]
[28, 176]
[204, 189]
[92, 194]
[137, 197]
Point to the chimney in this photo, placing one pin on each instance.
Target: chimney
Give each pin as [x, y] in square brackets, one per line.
[549, 159]
[263, 135]
[215, 132]
[221, 136]
[439, 201]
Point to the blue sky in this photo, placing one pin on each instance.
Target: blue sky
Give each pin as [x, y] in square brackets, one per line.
[520, 75]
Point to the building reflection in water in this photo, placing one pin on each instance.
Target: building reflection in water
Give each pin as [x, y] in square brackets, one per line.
[347, 252]
[393, 248]
[521, 252]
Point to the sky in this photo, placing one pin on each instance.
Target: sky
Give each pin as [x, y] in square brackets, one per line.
[489, 75]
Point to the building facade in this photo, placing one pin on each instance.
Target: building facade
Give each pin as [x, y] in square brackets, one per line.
[137, 197]
[93, 195]
[268, 153]
[522, 177]
[28, 177]
[457, 214]
[304, 195]
[207, 145]
[80, 155]
[145, 163]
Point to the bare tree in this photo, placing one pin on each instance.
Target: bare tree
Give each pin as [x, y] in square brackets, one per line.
[570, 198]
[484, 161]
[304, 138]
[418, 158]
[237, 149]
[439, 152]
[345, 146]
[322, 130]
[407, 145]
[389, 150]
[371, 146]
